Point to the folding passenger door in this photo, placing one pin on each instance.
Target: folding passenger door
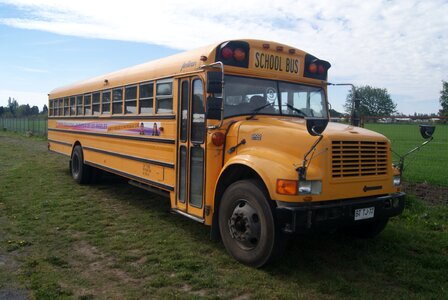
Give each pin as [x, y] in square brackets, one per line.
[191, 150]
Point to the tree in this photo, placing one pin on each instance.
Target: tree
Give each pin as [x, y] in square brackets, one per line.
[13, 105]
[444, 99]
[44, 110]
[373, 101]
[34, 110]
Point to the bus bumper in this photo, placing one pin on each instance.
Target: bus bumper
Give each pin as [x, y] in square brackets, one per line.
[328, 215]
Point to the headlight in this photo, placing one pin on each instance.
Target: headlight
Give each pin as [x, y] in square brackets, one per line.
[397, 180]
[307, 187]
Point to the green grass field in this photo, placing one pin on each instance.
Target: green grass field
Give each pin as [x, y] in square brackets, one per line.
[429, 164]
[110, 240]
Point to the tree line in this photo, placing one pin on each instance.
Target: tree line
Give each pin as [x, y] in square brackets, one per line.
[377, 101]
[14, 110]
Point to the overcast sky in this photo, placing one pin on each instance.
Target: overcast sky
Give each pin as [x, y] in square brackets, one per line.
[398, 45]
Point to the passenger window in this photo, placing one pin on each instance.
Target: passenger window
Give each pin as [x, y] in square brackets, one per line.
[87, 104]
[146, 98]
[78, 105]
[61, 107]
[130, 100]
[96, 103]
[164, 97]
[117, 101]
[66, 107]
[51, 107]
[105, 106]
[72, 106]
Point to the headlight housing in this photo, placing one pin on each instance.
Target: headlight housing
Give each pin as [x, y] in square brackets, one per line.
[396, 181]
[310, 187]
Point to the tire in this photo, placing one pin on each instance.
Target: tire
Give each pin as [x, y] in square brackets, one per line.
[247, 224]
[81, 172]
[367, 230]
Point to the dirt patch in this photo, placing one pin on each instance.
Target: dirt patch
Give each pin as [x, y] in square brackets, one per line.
[100, 270]
[435, 195]
[13, 294]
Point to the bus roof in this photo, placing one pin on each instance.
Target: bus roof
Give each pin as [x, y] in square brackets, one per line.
[184, 62]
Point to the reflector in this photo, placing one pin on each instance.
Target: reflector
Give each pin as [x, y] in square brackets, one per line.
[218, 138]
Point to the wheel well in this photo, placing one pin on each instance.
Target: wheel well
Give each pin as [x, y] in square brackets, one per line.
[77, 143]
[232, 174]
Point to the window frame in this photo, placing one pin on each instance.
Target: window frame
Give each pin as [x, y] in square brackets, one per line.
[164, 97]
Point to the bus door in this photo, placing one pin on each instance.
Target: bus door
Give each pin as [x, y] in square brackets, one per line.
[191, 151]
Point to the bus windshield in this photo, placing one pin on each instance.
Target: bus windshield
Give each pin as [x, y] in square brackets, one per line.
[249, 96]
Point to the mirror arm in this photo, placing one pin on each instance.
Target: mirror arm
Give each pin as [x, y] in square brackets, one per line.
[402, 157]
[302, 169]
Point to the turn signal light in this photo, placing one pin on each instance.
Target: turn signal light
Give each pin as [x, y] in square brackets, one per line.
[287, 187]
[218, 138]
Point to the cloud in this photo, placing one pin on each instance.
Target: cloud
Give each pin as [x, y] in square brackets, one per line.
[399, 45]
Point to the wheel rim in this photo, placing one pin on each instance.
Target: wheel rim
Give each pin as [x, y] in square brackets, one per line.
[75, 165]
[244, 225]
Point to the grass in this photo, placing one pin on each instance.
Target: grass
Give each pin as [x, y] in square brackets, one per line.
[111, 240]
[430, 163]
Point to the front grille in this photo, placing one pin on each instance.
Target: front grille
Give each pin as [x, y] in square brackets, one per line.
[358, 158]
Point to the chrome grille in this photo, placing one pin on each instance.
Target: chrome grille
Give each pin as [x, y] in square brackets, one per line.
[358, 158]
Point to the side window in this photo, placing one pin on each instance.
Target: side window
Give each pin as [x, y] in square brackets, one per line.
[146, 98]
[96, 103]
[78, 105]
[105, 106]
[117, 101]
[66, 107]
[130, 100]
[197, 112]
[164, 97]
[61, 107]
[50, 107]
[87, 103]
[72, 106]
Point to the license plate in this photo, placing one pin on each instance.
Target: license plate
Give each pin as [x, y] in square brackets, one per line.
[364, 213]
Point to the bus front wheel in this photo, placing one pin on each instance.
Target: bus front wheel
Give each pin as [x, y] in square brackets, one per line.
[81, 172]
[247, 224]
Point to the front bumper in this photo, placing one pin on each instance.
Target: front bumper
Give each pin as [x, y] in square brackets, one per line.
[327, 215]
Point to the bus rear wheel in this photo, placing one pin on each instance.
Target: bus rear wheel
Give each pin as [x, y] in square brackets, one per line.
[81, 172]
[247, 224]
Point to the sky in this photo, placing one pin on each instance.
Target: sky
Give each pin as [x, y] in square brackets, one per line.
[401, 45]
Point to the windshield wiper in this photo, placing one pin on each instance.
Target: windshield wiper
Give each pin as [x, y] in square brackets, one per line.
[296, 110]
[256, 110]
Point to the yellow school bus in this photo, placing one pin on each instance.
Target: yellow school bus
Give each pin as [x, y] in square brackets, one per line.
[237, 135]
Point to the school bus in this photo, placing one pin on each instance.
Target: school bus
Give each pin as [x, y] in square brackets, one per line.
[237, 135]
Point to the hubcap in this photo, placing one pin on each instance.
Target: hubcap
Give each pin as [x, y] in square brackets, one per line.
[75, 165]
[244, 225]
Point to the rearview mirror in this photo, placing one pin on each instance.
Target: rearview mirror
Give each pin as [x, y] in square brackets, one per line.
[214, 82]
[427, 131]
[316, 126]
[214, 108]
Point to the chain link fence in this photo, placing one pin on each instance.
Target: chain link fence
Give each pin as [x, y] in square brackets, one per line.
[30, 126]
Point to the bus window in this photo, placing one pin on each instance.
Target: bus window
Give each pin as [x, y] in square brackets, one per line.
[61, 107]
[198, 113]
[66, 107]
[164, 97]
[78, 105]
[87, 103]
[105, 106]
[130, 100]
[50, 107]
[146, 98]
[117, 101]
[72, 106]
[96, 103]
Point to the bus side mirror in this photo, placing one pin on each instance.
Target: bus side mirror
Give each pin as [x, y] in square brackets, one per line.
[316, 126]
[427, 131]
[214, 82]
[214, 108]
